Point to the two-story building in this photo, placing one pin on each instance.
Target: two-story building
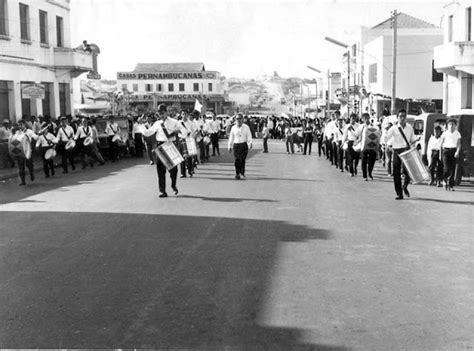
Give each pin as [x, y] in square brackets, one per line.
[37, 62]
[455, 57]
[371, 68]
[178, 84]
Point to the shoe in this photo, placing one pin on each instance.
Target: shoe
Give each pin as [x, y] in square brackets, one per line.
[432, 182]
[237, 177]
[399, 197]
[163, 195]
[191, 174]
[152, 163]
[22, 183]
[342, 171]
[439, 185]
[242, 176]
[406, 192]
[451, 188]
[352, 174]
[175, 189]
[366, 179]
[371, 178]
[183, 176]
[32, 177]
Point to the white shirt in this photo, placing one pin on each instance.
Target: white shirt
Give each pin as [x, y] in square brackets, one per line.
[450, 140]
[266, 132]
[240, 135]
[112, 129]
[214, 127]
[83, 132]
[65, 133]
[46, 140]
[171, 125]
[189, 129]
[338, 134]
[4, 133]
[28, 132]
[350, 132]
[396, 139]
[329, 129]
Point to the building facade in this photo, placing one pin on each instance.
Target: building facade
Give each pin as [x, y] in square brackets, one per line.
[455, 57]
[37, 62]
[370, 68]
[173, 84]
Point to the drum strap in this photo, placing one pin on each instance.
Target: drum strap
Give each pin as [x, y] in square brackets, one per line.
[403, 135]
[64, 131]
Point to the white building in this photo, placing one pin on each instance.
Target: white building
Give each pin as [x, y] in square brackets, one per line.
[455, 58]
[178, 84]
[37, 62]
[371, 64]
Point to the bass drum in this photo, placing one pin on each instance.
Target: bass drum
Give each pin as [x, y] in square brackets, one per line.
[19, 147]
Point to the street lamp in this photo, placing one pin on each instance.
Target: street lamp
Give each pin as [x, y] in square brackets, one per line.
[345, 46]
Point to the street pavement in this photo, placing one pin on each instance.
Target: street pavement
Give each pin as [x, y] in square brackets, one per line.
[296, 257]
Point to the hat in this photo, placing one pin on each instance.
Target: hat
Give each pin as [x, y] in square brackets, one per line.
[162, 108]
[63, 118]
[6, 121]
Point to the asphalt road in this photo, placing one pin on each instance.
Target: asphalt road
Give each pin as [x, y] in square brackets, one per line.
[298, 256]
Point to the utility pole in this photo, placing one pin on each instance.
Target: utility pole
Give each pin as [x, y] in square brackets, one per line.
[348, 81]
[394, 62]
[327, 94]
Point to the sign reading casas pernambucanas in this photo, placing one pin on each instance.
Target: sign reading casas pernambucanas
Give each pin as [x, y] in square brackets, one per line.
[165, 75]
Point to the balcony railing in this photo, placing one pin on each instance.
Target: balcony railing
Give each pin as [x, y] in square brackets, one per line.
[76, 61]
[455, 56]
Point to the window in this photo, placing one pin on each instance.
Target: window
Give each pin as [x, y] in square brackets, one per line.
[435, 75]
[24, 22]
[450, 28]
[468, 24]
[181, 86]
[124, 87]
[135, 87]
[3, 17]
[170, 87]
[373, 73]
[148, 87]
[43, 19]
[209, 86]
[195, 86]
[59, 31]
[159, 87]
[468, 103]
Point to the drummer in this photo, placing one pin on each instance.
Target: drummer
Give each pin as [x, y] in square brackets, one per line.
[398, 136]
[18, 131]
[65, 135]
[45, 142]
[189, 129]
[112, 129]
[84, 131]
[166, 129]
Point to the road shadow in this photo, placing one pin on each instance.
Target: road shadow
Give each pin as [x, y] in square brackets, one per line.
[454, 202]
[224, 199]
[250, 178]
[10, 192]
[116, 280]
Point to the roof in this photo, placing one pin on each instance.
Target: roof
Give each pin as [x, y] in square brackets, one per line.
[405, 21]
[169, 67]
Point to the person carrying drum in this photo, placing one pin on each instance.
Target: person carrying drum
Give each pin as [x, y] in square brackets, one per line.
[66, 135]
[23, 158]
[84, 141]
[166, 129]
[188, 130]
[400, 136]
[46, 143]
[112, 130]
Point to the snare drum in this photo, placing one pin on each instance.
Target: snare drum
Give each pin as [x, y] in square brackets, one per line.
[116, 138]
[169, 155]
[183, 148]
[19, 147]
[50, 154]
[70, 145]
[207, 140]
[88, 141]
[191, 145]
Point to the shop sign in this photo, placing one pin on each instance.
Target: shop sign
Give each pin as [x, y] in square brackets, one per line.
[93, 75]
[165, 75]
[32, 91]
[175, 97]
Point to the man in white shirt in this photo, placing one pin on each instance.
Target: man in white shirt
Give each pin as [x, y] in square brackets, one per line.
[65, 134]
[350, 137]
[451, 148]
[166, 129]
[112, 129]
[337, 145]
[46, 141]
[433, 153]
[17, 133]
[369, 136]
[401, 136]
[84, 131]
[329, 135]
[188, 130]
[214, 129]
[240, 139]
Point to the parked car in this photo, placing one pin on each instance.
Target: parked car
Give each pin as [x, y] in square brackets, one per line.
[465, 164]
[125, 124]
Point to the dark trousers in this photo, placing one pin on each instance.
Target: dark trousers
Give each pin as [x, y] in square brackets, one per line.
[368, 162]
[22, 163]
[389, 159]
[138, 145]
[340, 157]
[436, 166]
[215, 144]
[95, 153]
[187, 163]
[161, 170]
[83, 152]
[113, 149]
[150, 145]
[240, 153]
[48, 165]
[308, 143]
[320, 146]
[66, 155]
[290, 146]
[335, 154]
[352, 157]
[265, 144]
[328, 144]
[397, 172]
[449, 165]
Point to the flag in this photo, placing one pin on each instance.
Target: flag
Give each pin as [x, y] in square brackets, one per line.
[197, 106]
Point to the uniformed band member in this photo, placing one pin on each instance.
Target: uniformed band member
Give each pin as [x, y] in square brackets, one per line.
[240, 139]
[65, 134]
[166, 129]
[433, 152]
[17, 131]
[308, 137]
[451, 147]
[188, 130]
[83, 131]
[46, 141]
[112, 129]
[401, 136]
[369, 147]
[214, 129]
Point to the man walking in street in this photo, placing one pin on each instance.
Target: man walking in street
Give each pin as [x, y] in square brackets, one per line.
[240, 140]
[451, 146]
[370, 140]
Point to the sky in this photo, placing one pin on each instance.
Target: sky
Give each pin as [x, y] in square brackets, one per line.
[244, 39]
